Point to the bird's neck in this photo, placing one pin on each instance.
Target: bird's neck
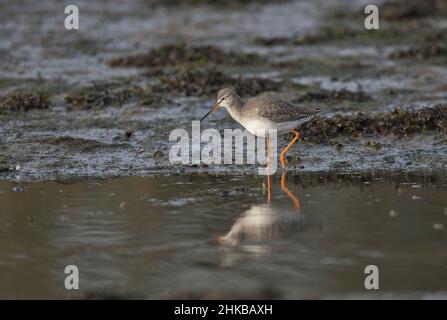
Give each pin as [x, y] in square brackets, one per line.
[235, 109]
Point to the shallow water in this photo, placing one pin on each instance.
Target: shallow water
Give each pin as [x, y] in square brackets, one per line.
[199, 236]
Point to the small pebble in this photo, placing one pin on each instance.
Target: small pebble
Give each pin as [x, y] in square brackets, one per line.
[18, 167]
[17, 189]
[393, 213]
[438, 226]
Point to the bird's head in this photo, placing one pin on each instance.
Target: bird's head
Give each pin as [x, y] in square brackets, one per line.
[225, 99]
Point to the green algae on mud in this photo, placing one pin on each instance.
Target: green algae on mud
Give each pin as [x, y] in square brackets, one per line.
[389, 34]
[98, 96]
[22, 101]
[332, 95]
[91, 97]
[220, 3]
[423, 52]
[177, 81]
[322, 34]
[208, 81]
[399, 122]
[413, 9]
[79, 144]
[169, 55]
[400, 26]
[399, 11]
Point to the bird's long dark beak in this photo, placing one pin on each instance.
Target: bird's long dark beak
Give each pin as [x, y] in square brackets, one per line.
[211, 110]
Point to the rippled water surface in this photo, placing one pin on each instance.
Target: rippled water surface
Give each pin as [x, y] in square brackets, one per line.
[205, 236]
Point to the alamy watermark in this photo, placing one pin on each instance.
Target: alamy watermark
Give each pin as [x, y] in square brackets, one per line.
[72, 280]
[72, 19]
[208, 147]
[372, 20]
[372, 279]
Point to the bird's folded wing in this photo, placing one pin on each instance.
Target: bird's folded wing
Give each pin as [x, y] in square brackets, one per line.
[278, 110]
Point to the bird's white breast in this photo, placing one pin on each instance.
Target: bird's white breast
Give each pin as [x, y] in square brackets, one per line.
[261, 126]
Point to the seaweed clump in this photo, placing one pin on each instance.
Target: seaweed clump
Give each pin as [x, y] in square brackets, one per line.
[22, 101]
[100, 96]
[169, 55]
[328, 95]
[89, 98]
[402, 10]
[323, 34]
[422, 52]
[78, 144]
[226, 3]
[399, 122]
[198, 82]
[412, 9]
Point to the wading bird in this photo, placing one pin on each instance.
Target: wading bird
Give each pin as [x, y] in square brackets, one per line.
[260, 114]
[264, 113]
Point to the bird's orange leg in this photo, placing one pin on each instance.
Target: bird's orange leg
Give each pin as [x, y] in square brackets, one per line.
[284, 188]
[286, 149]
[269, 195]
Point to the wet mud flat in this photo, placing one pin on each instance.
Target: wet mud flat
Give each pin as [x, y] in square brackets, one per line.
[203, 237]
[104, 146]
[101, 102]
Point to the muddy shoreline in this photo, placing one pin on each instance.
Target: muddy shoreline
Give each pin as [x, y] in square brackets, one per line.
[74, 106]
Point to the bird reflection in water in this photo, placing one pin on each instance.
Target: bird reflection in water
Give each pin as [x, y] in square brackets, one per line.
[267, 222]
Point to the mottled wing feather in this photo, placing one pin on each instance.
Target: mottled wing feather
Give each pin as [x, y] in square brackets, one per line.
[277, 110]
